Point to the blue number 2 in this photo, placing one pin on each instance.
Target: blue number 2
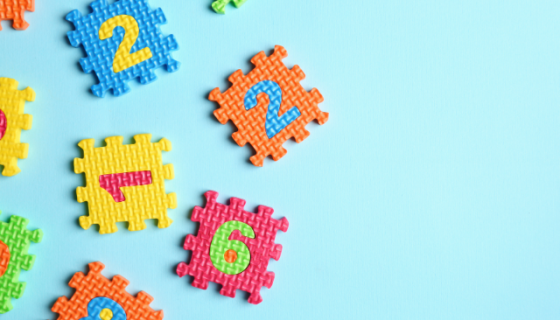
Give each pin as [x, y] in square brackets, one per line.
[104, 309]
[274, 123]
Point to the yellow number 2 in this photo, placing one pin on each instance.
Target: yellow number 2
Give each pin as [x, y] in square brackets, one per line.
[123, 58]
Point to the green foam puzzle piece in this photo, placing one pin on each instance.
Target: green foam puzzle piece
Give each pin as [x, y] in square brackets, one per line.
[220, 5]
[16, 236]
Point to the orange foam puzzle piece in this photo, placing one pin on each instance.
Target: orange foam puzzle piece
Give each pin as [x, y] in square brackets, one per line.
[251, 123]
[95, 285]
[14, 10]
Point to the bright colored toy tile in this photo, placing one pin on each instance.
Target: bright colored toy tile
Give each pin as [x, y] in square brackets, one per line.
[268, 106]
[15, 240]
[14, 10]
[12, 121]
[97, 297]
[125, 183]
[233, 247]
[220, 5]
[122, 42]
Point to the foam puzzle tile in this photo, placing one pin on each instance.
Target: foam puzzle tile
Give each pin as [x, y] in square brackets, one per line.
[268, 106]
[97, 297]
[12, 121]
[125, 183]
[233, 247]
[122, 42]
[14, 10]
[15, 240]
[220, 5]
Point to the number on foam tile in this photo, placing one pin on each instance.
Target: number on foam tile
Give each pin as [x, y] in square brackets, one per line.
[123, 58]
[4, 258]
[3, 124]
[231, 256]
[274, 122]
[114, 182]
[104, 309]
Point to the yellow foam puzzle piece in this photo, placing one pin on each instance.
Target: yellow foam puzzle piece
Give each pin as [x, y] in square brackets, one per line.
[12, 121]
[142, 201]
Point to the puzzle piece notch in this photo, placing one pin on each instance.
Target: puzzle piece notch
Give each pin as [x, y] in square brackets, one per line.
[142, 202]
[17, 238]
[262, 247]
[95, 285]
[220, 5]
[101, 53]
[15, 10]
[12, 104]
[251, 124]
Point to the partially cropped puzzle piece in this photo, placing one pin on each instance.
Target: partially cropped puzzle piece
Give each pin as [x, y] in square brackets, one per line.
[122, 42]
[15, 240]
[12, 121]
[233, 247]
[14, 10]
[268, 106]
[220, 5]
[97, 297]
[125, 183]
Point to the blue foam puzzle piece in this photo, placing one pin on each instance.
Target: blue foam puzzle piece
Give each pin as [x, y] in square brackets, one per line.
[100, 53]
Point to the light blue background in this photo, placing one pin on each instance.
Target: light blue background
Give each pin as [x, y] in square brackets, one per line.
[431, 193]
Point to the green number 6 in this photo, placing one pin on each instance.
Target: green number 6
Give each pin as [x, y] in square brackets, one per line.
[231, 256]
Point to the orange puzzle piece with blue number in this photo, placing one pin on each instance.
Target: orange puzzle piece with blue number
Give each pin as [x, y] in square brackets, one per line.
[98, 298]
[268, 106]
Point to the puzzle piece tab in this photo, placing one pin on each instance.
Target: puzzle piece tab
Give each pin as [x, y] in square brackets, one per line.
[97, 297]
[12, 121]
[233, 247]
[122, 42]
[268, 106]
[220, 5]
[125, 183]
[14, 10]
[15, 240]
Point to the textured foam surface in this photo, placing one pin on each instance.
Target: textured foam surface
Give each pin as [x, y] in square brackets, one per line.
[107, 167]
[12, 121]
[252, 123]
[15, 240]
[101, 54]
[261, 247]
[114, 182]
[86, 305]
[14, 10]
